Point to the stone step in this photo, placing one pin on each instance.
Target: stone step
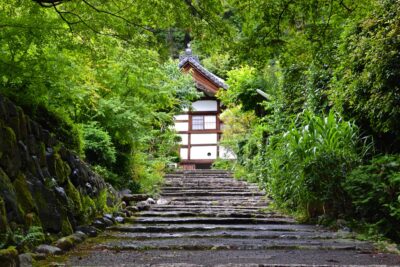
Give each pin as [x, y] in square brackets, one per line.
[234, 258]
[211, 188]
[218, 213]
[205, 207]
[205, 193]
[199, 175]
[208, 220]
[225, 203]
[226, 234]
[234, 244]
[162, 228]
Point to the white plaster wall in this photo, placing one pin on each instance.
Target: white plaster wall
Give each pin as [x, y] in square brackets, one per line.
[225, 153]
[198, 139]
[185, 139]
[183, 117]
[205, 105]
[200, 152]
[184, 153]
[181, 126]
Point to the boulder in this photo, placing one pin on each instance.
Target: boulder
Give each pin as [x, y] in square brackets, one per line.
[134, 197]
[25, 260]
[79, 236]
[109, 216]
[10, 158]
[65, 243]
[107, 221]
[48, 250]
[47, 205]
[150, 201]
[88, 230]
[143, 205]
[8, 194]
[98, 223]
[119, 219]
[162, 201]
[132, 208]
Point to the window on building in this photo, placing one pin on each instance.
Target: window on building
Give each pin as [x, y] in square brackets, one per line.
[204, 122]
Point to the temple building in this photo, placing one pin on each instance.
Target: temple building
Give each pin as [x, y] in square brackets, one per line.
[200, 128]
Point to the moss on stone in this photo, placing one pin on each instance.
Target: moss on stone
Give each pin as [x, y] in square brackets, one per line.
[4, 227]
[9, 159]
[66, 227]
[24, 196]
[9, 256]
[7, 192]
[74, 197]
[62, 169]
[42, 154]
[89, 209]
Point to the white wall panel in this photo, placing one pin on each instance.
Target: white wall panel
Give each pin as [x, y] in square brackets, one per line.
[182, 117]
[225, 153]
[203, 152]
[184, 153]
[181, 126]
[205, 105]
[198, 139]
[184, 138]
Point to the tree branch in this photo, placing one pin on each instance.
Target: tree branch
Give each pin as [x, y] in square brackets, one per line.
[49, 3]
[345, 7]
[117, 16]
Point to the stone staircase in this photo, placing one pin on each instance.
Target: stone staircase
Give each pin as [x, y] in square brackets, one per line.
[207, 218]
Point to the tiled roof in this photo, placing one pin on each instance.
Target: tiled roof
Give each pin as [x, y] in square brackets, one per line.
[194, 61]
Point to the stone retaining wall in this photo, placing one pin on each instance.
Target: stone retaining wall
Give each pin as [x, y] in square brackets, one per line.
[41, 182]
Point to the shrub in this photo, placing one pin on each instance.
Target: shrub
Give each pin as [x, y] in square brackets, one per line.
[99, 148]
[308, 163]
[375, 193]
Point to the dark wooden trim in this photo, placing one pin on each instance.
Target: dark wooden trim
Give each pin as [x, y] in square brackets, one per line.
[218, 139]
[181, 120]
[192, 145]
[199, 131]
[198, 161]
[189, 135]
[203, 113]
[207, 98]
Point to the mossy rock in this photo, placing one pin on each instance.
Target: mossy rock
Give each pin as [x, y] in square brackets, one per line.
[47, 206]
[9, 257]
[66, 227]
[89, 209]
[24, 196]
[42, 154]
[4, 227]
[8, 194]
[74, 199]
[10, 159]
[59, 168]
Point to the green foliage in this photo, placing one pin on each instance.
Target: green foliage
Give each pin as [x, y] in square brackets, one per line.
[99, 148]
[375, 193]
[366, 83]
[309, 162]
[223, 164]
[243, 83]
[32, 238]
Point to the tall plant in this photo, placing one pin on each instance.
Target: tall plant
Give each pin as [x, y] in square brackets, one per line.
[308, 163]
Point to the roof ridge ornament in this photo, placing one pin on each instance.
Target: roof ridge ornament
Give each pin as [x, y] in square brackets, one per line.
[188, 50]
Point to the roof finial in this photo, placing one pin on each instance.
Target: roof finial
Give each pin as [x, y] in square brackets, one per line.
[188, 50]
